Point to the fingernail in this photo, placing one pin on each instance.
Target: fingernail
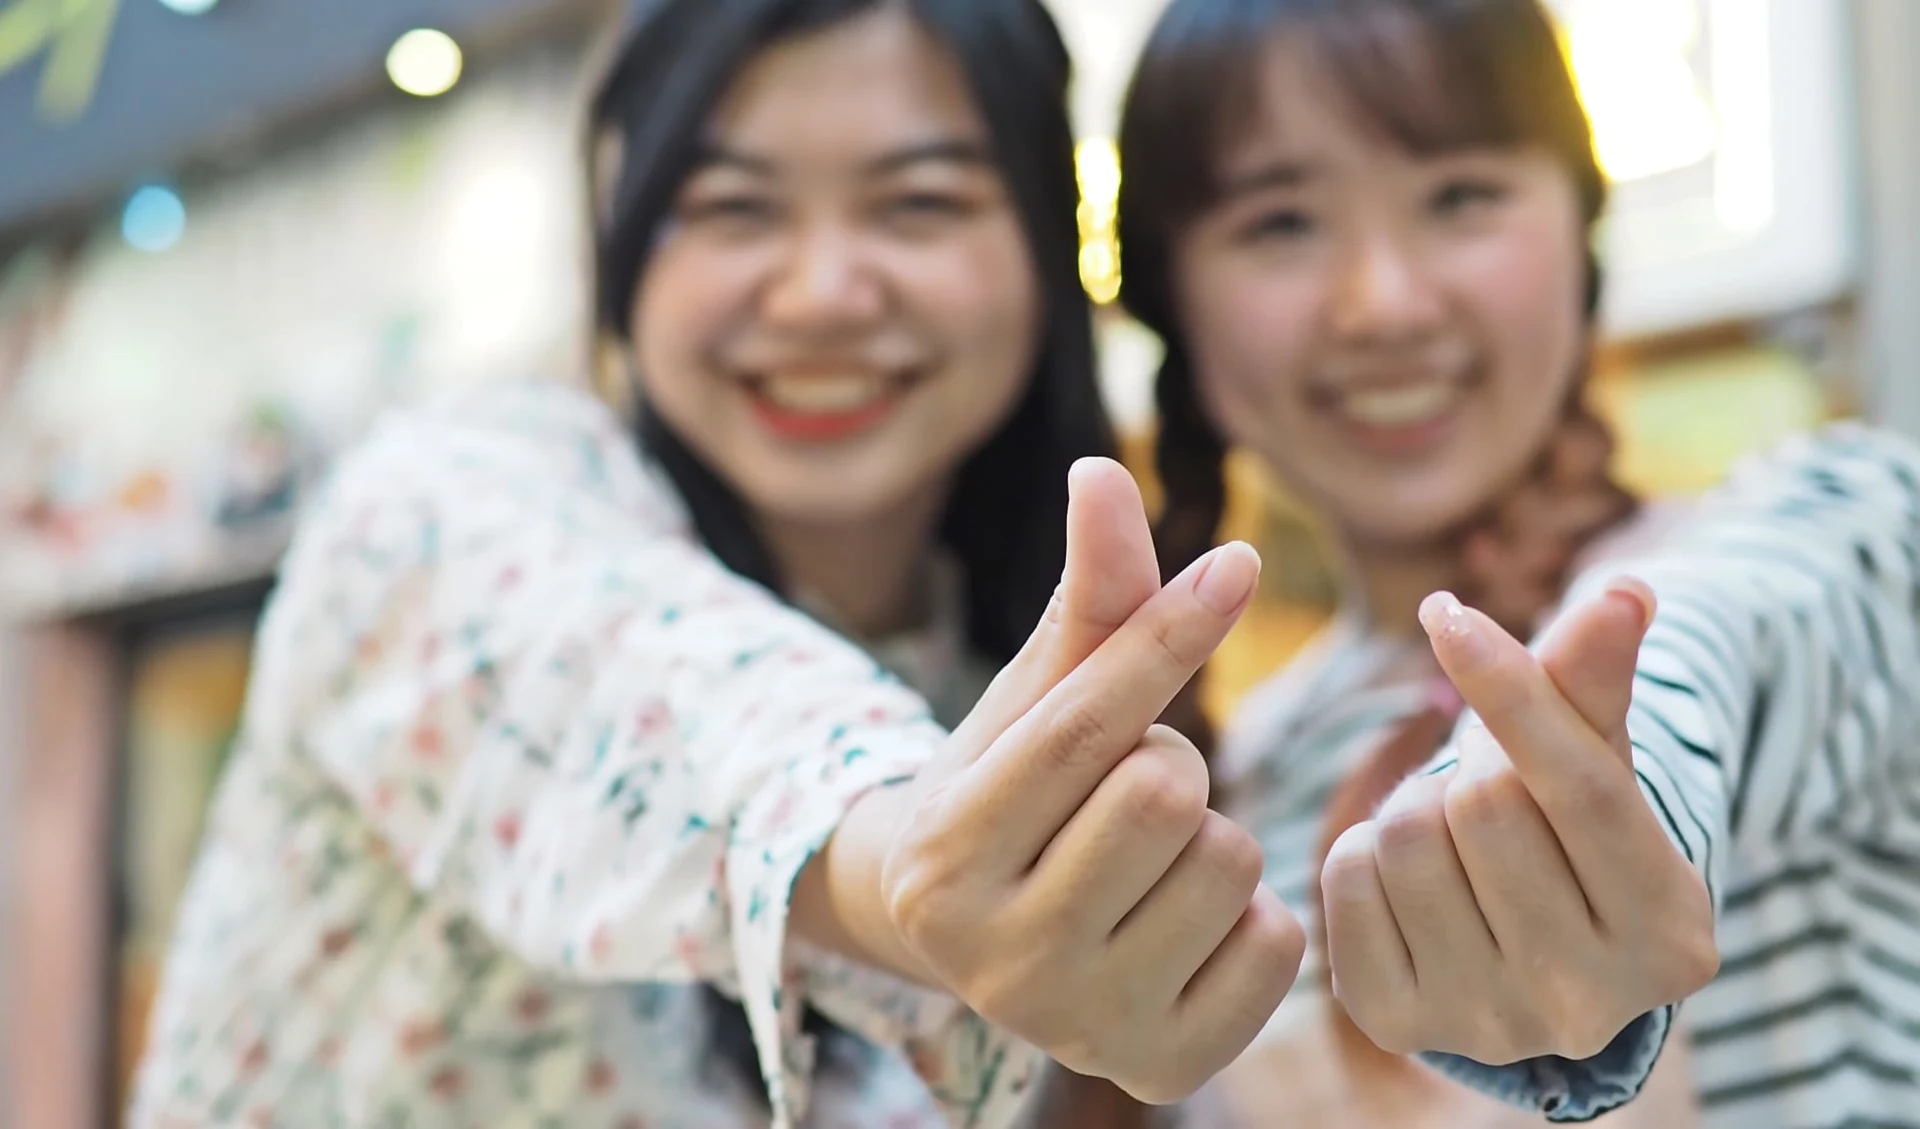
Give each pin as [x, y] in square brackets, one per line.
[1082, 469]
[1635, 592]
[1227, 577]
[1446, 620]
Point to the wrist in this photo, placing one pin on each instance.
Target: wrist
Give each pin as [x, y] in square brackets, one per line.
[838, 903]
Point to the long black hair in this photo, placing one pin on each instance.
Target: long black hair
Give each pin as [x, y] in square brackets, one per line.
[1005, 520]
[1432, 75]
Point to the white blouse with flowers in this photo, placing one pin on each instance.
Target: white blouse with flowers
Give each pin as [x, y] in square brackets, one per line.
[522, 768]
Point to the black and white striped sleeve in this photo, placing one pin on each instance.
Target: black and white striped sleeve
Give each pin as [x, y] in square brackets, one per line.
[1778, 690]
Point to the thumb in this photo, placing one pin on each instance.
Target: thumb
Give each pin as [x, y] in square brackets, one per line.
[1111, 568]
[1591, 653]
[1110, 572]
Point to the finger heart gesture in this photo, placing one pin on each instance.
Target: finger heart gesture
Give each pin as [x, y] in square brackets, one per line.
[1526, 901]
[1060, 870]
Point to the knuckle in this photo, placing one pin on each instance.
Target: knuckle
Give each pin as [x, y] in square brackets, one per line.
[1486, 800]
[1162, 789]
[1075, 735]
[1410, 827]
[1688, 955]
[1232, 853]
[1279, 938]
[1605, 796]
[1351, 862]
[919, 895]
[1392, 1025]
[1170, 647]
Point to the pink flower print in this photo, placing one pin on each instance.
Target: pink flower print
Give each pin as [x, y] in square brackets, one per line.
[687, 947]
[600, 1077]
[653, 718]
[506, 829]
[335, 941]
[600, 945]
[428, 742]
[418, 1036]
[447, 1083]
[510, 578]
[532, 1006]
[782, 812]
[254, 1060]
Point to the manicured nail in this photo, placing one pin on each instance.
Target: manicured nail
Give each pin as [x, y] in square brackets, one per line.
[1634, 591]
[1227, 577]
[1447, 621]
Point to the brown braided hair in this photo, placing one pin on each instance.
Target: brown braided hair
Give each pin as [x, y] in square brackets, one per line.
[1501, 82]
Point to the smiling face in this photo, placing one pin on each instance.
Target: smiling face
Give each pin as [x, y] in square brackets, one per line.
[1394, 333]
[843, 306]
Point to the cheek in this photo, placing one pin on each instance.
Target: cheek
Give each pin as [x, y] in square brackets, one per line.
[680, 309]
[982, 299]
[1248, 337]
[1532, 306]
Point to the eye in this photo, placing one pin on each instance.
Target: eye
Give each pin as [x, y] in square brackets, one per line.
[928, 205]
[1278, 224]
[1462, 195]
[733, 206]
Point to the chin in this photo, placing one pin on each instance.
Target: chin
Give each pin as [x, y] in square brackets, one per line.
[1418, 523]
[824, 500]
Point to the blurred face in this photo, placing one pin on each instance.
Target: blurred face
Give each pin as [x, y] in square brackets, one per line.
[843, 306]
[1395, 335]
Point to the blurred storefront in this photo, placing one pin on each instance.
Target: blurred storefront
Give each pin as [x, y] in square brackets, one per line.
[250, 232]
[207, 289]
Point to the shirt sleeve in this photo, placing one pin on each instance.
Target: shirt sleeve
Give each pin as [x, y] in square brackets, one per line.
[563, 716]
[1777, 696]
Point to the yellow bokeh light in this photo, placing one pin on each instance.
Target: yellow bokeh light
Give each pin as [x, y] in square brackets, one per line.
[1097, 165]
[424, 62]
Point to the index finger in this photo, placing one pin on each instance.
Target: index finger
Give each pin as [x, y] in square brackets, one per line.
[1588, 793]
[1031, 781]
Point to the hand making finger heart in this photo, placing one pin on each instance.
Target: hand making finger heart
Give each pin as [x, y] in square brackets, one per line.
[1528, 901]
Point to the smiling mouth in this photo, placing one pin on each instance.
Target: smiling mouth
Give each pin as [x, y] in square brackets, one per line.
[826, 407]
[1407, 406]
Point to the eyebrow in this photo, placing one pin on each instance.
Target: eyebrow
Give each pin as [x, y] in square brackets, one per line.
[1278, 174]
[954, 150]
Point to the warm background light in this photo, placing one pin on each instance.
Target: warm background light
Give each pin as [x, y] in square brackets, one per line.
[424, 62]
[1097, 164]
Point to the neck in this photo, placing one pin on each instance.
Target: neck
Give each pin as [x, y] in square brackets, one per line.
[1391, 580]
[871, 575]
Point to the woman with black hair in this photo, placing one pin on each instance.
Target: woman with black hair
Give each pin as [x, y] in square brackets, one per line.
[559, 743]
[1365, 230]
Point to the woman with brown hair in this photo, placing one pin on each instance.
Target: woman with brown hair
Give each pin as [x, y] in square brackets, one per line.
[1363, 229]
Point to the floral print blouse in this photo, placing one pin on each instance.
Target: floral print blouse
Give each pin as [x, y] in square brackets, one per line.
[522, 768]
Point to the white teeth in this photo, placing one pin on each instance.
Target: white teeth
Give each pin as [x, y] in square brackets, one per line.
[822, 395]
[1400, 407]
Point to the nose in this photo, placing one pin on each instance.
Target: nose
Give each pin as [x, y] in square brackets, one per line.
[824, 281]
[1384, 293]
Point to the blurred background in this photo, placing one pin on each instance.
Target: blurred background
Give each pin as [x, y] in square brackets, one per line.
[232, 230]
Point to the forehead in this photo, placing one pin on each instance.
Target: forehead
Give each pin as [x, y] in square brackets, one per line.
[857, 88]
[1297, 108]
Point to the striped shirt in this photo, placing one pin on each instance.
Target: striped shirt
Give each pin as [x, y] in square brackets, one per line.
[1776, 732]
